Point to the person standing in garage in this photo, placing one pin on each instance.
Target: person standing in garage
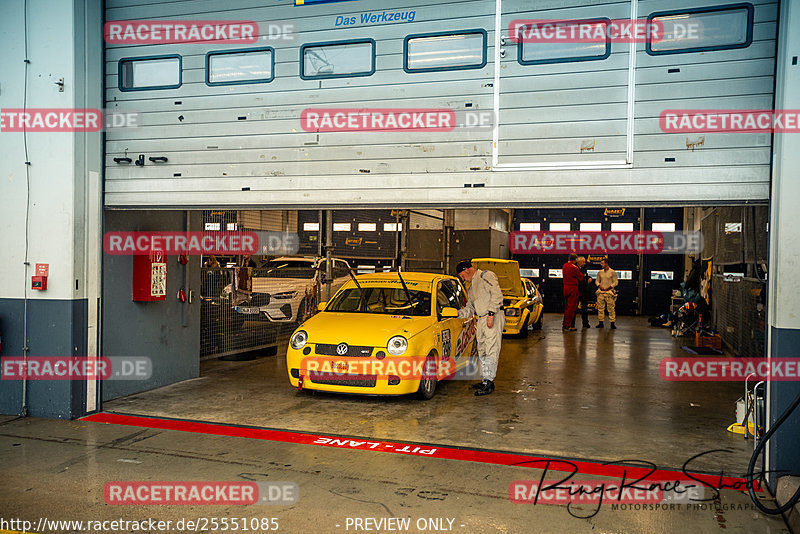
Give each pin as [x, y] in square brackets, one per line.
[486, 302]
[583, 292]
[571, 277]
[606, 295]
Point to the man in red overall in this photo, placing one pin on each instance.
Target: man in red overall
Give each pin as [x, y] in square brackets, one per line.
[571, 276]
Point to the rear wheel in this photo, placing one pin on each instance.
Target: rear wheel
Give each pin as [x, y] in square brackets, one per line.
[427, 383]
[538, 324]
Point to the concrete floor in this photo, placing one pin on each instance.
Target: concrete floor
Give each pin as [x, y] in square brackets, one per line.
[592, 395]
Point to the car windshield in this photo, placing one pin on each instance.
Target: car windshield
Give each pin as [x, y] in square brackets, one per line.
[382, 300]
[286, 269]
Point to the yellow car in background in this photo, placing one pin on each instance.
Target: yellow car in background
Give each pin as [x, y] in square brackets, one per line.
[385, 334]
[522, 302]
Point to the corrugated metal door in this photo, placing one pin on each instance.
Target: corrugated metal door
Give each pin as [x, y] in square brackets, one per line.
[562, 104]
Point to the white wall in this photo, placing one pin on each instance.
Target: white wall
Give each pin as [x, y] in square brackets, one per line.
[60, 162]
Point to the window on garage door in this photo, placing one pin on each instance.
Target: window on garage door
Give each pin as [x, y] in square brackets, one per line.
[702, 29]
[445, 51]
[340, 59]
[533, 51]
[240, 66]
[149, 73]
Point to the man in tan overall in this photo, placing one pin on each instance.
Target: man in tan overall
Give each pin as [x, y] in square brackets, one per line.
[486, 303]
[606, 294]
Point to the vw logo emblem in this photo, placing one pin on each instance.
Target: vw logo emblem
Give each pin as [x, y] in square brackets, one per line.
[341, 350]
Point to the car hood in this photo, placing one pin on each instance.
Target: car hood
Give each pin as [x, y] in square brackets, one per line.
[366, 329]
[507, 274]
[277, 285]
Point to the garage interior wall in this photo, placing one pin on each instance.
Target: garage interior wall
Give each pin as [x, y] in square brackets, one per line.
[167, 332]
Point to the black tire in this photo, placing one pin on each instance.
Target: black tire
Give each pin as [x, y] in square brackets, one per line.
[301, 312]
[538, 324]
[427, 383]
[233, 321]
[523, 332]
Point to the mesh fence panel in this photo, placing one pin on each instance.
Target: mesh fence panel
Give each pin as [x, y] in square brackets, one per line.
[709, 229]
[233, 322]
[739, 314]
[730, 231]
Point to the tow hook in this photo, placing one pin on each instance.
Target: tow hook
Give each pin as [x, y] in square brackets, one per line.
[300, 383]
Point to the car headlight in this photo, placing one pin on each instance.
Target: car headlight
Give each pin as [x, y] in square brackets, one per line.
[512, 312]
[299, 339]
[397, 345]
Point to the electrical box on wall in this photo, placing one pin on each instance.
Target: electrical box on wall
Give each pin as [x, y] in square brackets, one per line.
[150, 277]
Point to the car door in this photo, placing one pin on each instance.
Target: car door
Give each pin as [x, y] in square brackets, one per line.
[466, 337]
[448, 329]
[535, 299]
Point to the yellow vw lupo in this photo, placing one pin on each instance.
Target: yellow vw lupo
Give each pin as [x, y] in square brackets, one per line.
[385, 334]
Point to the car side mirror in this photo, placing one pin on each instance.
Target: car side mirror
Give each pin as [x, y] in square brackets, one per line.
[321, 306]
[449, 313]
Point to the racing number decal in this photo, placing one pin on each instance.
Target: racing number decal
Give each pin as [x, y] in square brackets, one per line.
[466, 337]
[446, 345]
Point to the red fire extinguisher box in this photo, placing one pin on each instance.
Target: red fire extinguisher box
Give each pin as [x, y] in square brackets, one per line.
[150, 277]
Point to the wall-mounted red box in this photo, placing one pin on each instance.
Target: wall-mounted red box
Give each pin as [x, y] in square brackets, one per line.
[39, 282]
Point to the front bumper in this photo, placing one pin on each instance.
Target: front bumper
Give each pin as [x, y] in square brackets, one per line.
[342, 382]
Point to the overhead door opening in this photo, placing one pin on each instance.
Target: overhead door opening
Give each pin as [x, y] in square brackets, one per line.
[595, 378]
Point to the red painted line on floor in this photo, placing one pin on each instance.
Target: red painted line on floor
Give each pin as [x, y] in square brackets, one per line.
[629, 472]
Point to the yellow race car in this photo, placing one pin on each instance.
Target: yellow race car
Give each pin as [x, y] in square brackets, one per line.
[385, 334]
[522, 302]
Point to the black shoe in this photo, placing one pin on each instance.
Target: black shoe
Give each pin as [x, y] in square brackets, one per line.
[486, 387]
[599, 326]
[477, 386]
[613, 326]
[587, 325]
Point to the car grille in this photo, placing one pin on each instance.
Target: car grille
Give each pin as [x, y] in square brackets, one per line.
[354, 351]
[332, 379]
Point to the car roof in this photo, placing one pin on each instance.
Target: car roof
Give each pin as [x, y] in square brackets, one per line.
[408, 275]
[294, 258]
[496, 260]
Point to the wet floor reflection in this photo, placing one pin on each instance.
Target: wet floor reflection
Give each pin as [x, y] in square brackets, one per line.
[589, 394]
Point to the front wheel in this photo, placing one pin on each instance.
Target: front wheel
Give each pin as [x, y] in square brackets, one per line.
[523, 332]
[427, 383]
[302, 312]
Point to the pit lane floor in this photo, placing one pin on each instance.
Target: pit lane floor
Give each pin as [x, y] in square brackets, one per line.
[594, 394]
[57, 470]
